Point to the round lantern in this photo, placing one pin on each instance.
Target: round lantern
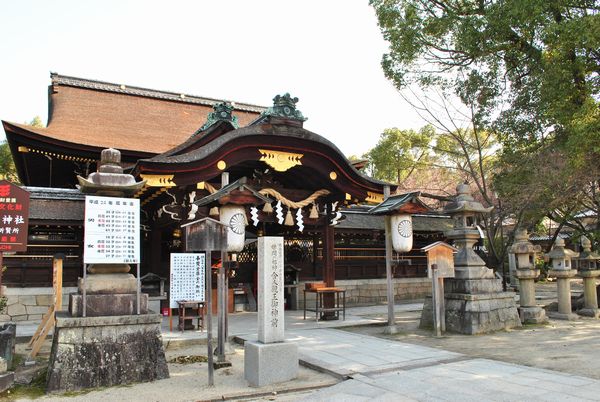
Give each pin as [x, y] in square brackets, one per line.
[235, 217]
[402, 233]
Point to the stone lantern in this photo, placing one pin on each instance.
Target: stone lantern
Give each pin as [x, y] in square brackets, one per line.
[588, 271]
[475, 302]
[525, 252]
[465, 212]
[562, 270]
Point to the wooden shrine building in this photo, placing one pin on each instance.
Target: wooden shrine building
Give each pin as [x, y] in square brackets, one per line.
[181, 145]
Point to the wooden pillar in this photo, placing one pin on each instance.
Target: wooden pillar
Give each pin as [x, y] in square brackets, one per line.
[328, 256]
[155, 251]
[328, 266]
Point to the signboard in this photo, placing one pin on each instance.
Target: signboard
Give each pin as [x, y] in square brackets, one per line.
[14, 217]
[442, 255]
[187, 277]
[111, 230]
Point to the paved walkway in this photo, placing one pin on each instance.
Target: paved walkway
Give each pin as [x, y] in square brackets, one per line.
[380, 369]
[468, 380]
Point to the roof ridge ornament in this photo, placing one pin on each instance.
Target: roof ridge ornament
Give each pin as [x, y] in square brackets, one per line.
[222, 111]
[284, 106]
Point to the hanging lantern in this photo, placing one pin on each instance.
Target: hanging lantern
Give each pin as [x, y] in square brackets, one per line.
[267, 208]
[402, 232]
[314, 213]
[289, 221]
[235, 217]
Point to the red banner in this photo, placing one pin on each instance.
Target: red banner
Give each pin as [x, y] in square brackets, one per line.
[14, 217]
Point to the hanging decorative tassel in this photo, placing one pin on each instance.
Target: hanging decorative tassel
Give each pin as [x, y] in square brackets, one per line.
[314, 213]
[267, 208]
[289, 221]
[214, 211]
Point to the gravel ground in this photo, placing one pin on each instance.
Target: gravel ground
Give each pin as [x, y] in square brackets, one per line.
[188, 382]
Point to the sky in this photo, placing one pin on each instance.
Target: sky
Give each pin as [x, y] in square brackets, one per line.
[327, 53]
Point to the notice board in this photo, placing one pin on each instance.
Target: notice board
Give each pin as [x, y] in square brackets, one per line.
[187, 278]
[111, 230]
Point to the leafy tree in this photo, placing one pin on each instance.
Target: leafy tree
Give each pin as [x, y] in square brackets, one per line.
[399, 153]
[7, 165]
[530, 67]
[36, 122]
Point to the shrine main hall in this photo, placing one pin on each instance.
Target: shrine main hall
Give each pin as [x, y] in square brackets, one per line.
[198, 157]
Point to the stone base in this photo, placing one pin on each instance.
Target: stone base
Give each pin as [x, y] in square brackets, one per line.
[6, 381]
[533, 315]
[473, 286]
[589, 312]
[475, 314]
[562, 316]
[105, 351]
[100, 305]
[270, 363]
[120, 283]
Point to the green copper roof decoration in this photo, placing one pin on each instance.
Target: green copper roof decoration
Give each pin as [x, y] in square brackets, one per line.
[222, 112]
[284, 106]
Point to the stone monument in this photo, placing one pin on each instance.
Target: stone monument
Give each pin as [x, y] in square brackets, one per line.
[270, 359]
[475, 302]
[563, 271]
[588, 270]
[7, 350]
[116, 341]
[526, 273]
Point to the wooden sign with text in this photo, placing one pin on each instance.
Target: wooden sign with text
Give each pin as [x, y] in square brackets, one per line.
[14, 217]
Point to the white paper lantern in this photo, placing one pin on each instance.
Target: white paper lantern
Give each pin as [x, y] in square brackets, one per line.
[402, 233]
[235, 217]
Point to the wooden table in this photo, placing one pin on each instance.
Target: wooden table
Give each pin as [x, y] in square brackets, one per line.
[339, 301]
[190, 310]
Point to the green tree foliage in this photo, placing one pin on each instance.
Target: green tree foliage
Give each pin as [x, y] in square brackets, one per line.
[399, 153]
[529, 67]
[7, 165]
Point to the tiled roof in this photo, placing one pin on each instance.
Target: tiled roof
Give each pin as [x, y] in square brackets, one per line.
[65, 80]
[99, 114]
[421, 223]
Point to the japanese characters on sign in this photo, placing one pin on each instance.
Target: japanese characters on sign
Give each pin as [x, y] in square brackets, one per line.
[270, 289]
[112, 230]
[14, 217]
[187, 278]
[276, 284]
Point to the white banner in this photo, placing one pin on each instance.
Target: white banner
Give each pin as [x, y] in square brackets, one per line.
[187, 278]
[111, 230]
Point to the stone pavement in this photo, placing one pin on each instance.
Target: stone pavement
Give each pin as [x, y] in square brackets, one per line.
[468, 380]
[380, 369]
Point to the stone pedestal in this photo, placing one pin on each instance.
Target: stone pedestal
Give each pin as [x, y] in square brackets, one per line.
[563, 279]
[270, 363]
[590, 295]
[529, 311]
[473, 314]
[100, 305]
[90, 352]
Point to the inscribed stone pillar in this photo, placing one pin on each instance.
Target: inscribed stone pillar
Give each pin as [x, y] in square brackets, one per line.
[270, 290]
[271, 359]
